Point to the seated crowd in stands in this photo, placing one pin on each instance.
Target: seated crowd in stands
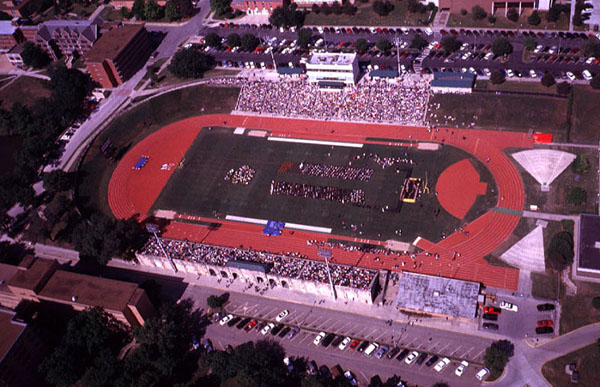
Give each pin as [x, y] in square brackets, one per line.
[289, 265]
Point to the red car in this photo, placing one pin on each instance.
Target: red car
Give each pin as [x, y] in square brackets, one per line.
[250, 325]
[545, 323]
[491, 309]
[354, 344]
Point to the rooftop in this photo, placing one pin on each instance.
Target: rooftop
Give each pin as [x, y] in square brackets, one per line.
[34, 274]
[7, 27]
[589, 242]
[112, 43]
[6, 273]
[89, 290]
[10, 331]
[437, 295]
[327, 58]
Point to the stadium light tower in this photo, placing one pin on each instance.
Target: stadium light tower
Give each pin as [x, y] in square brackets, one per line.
[153, 229]
[265, 41]
[327, 253]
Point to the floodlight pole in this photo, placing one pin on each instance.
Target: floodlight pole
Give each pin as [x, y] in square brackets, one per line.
[152, 228]
[271, 52]
[397, 43]
[330, 280]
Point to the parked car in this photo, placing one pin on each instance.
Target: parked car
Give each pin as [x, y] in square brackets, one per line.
[545, 323]
[382, 351]
[490, 316]
[319, 338]
[277, 329]
[282, 315]
[491, 309]
[421, 359]
[337, 341]
[571, 76]
[411, 357]
[243, 323]
[311, 368]
[490, 326]
[288, 363]
[250, 325]
[461, 368]
[234, 321]
[267, 328]
[371, 349]
[293, 332]
[393, 352]
[363, 346]
[441, 364]
[195, 343]
[482, 374]
[508, 306]
[344, 344]
[545, 307]
[432, 360]
[351, 378]
[325, 372]
[402, 355]
[327, 340]
[226, 319]
[284, 332]
[587, 75]
[207, 344]
[354, 344]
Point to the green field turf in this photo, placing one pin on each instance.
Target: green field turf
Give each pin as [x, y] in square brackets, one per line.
[199, 188]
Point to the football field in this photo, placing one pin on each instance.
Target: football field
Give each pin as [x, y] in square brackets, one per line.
[199, 186]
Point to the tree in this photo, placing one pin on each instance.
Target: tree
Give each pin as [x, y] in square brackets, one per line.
[560, 251]
[57, 180]
[383, 45]
[348, 8]
[213, 40]
[325, 9]
[214, 302]
[534, 19]
[289, 15]
[185, 8]
[501, 47]
[548, 80]
[138, 9]
[304, 37]
[382, 8]
[171, 11]
[125, 13]
[450, 44]
[152, 11]
[13, 253]
[497, 78]
[491, 19]
[220, 7]
[464, 12]
[563, 88]
[234, 40]
[315, 9]
[592, 48]
[419, 42]
[69, 89]
[595, 82]
[415, 6]
[596, 304]
[497, 355]
[93, 339]
[336, 8]
[576, 196]
[250, 42]
[581, 164]
[190, 63]
[530, 43]
[34, 56]
[361, 44]
[553, 14]
[478, 13]
[512, 15]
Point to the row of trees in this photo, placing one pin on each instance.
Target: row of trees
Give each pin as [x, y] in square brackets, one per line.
[288, 15]
[347, 8]
[150, 10]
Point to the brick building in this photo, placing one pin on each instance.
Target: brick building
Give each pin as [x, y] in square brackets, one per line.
[67, 37]
[118, 4]
[491, 6]
[10, 35]
[118, 54]
[250, 7]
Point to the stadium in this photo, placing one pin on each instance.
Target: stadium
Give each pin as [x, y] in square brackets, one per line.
[380, 197]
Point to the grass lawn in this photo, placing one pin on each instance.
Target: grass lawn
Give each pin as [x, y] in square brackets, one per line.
[500, 112]
[25, 90]
[530, 87]
[577, 310]
[365, 16]
[110, 14]
[167, 79]
[199, 187]
[586, 115]
[457, 20]
[587, 360]
[132, 126]
[544, 285]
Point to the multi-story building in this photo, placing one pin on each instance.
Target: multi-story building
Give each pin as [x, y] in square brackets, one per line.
[118, 4]
[67, 37]
[332, 70]
[10, 35]
[266, 7]
[118, 54]
[40, 280]
[492, 6]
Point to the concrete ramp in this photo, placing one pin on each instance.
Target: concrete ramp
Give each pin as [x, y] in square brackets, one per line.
[544, 165]
[528, 253]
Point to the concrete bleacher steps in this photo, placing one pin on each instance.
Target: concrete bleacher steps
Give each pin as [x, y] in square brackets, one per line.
[528, 253]
[544, 165]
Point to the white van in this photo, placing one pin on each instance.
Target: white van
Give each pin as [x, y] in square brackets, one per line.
[587, 75]
[370, 349]
[482, 374]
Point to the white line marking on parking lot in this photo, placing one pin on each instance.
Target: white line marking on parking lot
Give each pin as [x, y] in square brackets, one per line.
[464, 355]
[479, 354]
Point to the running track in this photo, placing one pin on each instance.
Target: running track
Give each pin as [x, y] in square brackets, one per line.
[132, 193]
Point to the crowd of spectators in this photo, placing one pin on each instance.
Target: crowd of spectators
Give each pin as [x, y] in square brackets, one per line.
[289, 266]
[341, 195]
[363, 248]
[371, 100]
[336, 172]
[242, 175]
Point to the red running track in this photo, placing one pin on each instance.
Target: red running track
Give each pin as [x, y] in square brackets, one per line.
[457, 188]
[133, 192]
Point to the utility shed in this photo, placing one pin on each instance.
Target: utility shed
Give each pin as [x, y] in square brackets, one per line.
[455, 83]
[437, 295]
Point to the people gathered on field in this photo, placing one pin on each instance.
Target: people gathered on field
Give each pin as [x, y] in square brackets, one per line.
[341, 195]
[289, 265]
[371, 100]
[336, 171]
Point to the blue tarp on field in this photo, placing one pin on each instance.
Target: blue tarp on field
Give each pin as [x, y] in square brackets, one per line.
[273, 227]
[141, 162]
